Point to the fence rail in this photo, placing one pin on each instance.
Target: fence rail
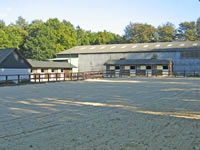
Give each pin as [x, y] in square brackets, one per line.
[52, 77]
[49, 77]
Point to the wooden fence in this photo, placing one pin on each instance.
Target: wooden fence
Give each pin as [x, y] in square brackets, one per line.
[49, 77]
[54, 77]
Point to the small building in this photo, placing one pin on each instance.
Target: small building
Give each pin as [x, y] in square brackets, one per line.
[42, 71]
[14, 67]
[139, 67]
[12, 63]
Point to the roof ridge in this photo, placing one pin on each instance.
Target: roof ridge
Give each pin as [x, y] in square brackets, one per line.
[134, 44]
[131, 47]
[7, 54]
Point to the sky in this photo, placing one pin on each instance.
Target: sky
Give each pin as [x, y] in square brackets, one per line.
[99, 15]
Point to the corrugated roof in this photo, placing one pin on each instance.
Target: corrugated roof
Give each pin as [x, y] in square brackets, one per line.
[4, 53]
[49, 64]
[120, 48]
[138, 62]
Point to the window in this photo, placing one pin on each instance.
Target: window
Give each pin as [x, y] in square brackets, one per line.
[42, 70]
[159, 67]
[52, 70]
[192, 54]
[165, 67]
[62, 70]
[112, 67]
[148, 67]
[127, 67]
[132, 67]
[142, 67]
[117, 68]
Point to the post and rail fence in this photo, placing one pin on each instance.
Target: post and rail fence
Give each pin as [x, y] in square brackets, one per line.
[53, 77]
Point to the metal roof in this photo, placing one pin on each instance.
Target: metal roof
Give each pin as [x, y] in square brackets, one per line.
[4, 53]
[138, 62]
[124, 48]
[49, 64]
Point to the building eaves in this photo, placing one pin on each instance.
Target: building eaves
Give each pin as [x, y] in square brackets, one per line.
[138, 62]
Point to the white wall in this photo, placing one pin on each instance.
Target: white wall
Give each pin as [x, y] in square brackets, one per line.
[74, 61]
[14, 73]
[52, 76]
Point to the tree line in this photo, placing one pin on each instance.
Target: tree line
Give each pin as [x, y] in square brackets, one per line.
[42, 40]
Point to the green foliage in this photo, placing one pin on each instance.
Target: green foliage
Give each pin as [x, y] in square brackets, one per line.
[187, 31]
[198, 28]
[40, 44]
[166, 33]
[2, 24]
[140, 33]
[21, 22]
[42, 40]
[82, 36]
[4, 42]
[16, 35]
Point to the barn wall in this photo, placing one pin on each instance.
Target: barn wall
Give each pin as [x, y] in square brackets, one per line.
[95, 62]
[72, 59]
[14, 73]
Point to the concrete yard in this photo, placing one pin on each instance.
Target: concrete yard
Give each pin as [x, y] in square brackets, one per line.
[109, 114]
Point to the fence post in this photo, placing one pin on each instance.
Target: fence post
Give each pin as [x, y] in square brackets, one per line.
[77, 75]
[18, 78]
[35, 77]
[29, 77]
[184, 73]
[48, 76]
[6, 78]
[39, 78]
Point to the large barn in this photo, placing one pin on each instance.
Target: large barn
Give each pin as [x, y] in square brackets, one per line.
[184, 56]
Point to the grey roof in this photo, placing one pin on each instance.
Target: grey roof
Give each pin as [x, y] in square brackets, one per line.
[124, 48]
[4, 53]
[49, 64]
[138, 62]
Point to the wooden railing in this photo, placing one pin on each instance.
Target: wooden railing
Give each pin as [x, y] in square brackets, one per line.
[49, 77]
[52, 77]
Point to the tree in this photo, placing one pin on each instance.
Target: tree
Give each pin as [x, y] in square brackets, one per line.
[41, 43]
[82, 36]
[21, 22]
[198, 28]
[104, 38]
[47, 39]
[4, 42]
[166, 33]
[2, 24]
[36, 21]
[186, 31]
[139, 33]
[92, 37]
[16, 35]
